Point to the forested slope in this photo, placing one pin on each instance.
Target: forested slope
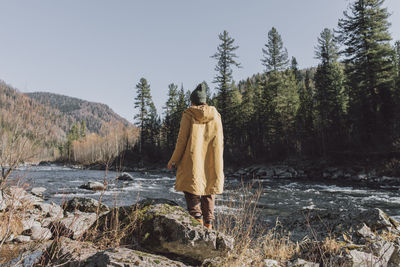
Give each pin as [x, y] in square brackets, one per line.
[94, 114]
[17, 108]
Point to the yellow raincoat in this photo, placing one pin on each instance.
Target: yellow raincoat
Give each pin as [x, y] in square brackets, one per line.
[198, 153]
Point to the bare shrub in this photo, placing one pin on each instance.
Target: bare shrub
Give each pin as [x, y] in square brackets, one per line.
[114, 138]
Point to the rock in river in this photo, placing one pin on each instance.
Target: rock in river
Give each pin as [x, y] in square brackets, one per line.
[95, 186]
[125, 177]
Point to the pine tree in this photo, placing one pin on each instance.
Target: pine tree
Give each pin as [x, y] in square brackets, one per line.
[142, 103]
[73, 135]
[225, 57]
[287, 104]
[188, 102]
[152, 127]
[234, 119]
[182, 102]
[364, 33]
[208, 93]
[170, 119]
[248, 113]
[294, 67]
[83, 129]
[330, 96]
[275, 56]
[305, 115]
[327, 49]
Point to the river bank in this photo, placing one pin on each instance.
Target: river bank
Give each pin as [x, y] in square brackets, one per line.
[159, 232]
[357, 172]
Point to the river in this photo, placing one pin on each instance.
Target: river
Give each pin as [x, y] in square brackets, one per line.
[278, 197]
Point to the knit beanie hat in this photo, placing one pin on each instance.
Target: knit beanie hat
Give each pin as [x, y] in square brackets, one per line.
[199, 95]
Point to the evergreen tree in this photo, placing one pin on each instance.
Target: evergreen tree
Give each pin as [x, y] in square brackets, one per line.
[327, 49]
[152, 127]
[188, 102]
[171, 118]
[142, 103]
[225, 57]
[83, 129]
[305, 115]
[233, 120]
[73, 135]
[330, 96]
[275, 56]
[287, 104]
[248, 114]
[182, 103]
[364, 33]
[294, 67]
[208, 92]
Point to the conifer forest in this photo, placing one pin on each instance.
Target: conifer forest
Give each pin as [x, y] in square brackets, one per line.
[347, 106]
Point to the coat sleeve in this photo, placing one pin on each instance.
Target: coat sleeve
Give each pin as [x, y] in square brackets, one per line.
[183, 136]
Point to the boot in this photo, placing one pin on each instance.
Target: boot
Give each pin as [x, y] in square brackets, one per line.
[208, 225]
[198, 218]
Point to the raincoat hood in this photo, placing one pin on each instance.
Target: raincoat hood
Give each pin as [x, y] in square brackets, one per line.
[202, 113]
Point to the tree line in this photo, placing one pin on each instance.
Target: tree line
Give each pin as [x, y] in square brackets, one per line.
[349, 102]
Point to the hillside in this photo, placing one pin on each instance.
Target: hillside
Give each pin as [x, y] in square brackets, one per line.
[18, 110]
[94, 114]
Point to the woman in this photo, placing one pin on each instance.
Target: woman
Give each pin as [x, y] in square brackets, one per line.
[198, 155]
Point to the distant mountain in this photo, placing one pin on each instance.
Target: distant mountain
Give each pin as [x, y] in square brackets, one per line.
[18, 110]
[94, 114]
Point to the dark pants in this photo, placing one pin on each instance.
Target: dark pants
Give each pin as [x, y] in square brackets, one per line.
[200, 205]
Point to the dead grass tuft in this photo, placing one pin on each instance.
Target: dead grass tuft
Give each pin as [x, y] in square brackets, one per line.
[276, 244]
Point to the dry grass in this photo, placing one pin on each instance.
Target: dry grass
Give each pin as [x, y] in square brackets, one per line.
[330, 246]
[276, 244]
[241, 222]
[10, 224]
[8, 252]
[114, 229]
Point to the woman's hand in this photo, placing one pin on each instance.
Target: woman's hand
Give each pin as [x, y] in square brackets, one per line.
[171, 165]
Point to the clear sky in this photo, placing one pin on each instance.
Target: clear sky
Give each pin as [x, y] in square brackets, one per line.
[98, 50]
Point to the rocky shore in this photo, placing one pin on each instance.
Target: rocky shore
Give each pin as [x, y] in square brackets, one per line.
[158, 232]
[316, 171]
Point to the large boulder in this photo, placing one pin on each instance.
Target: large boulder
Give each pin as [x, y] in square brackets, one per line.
[94, 186]
[74, 225]
[128, 257]
[70, 253]
[66, 252]
[167, 228]
[162, 226]
[85, 205]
